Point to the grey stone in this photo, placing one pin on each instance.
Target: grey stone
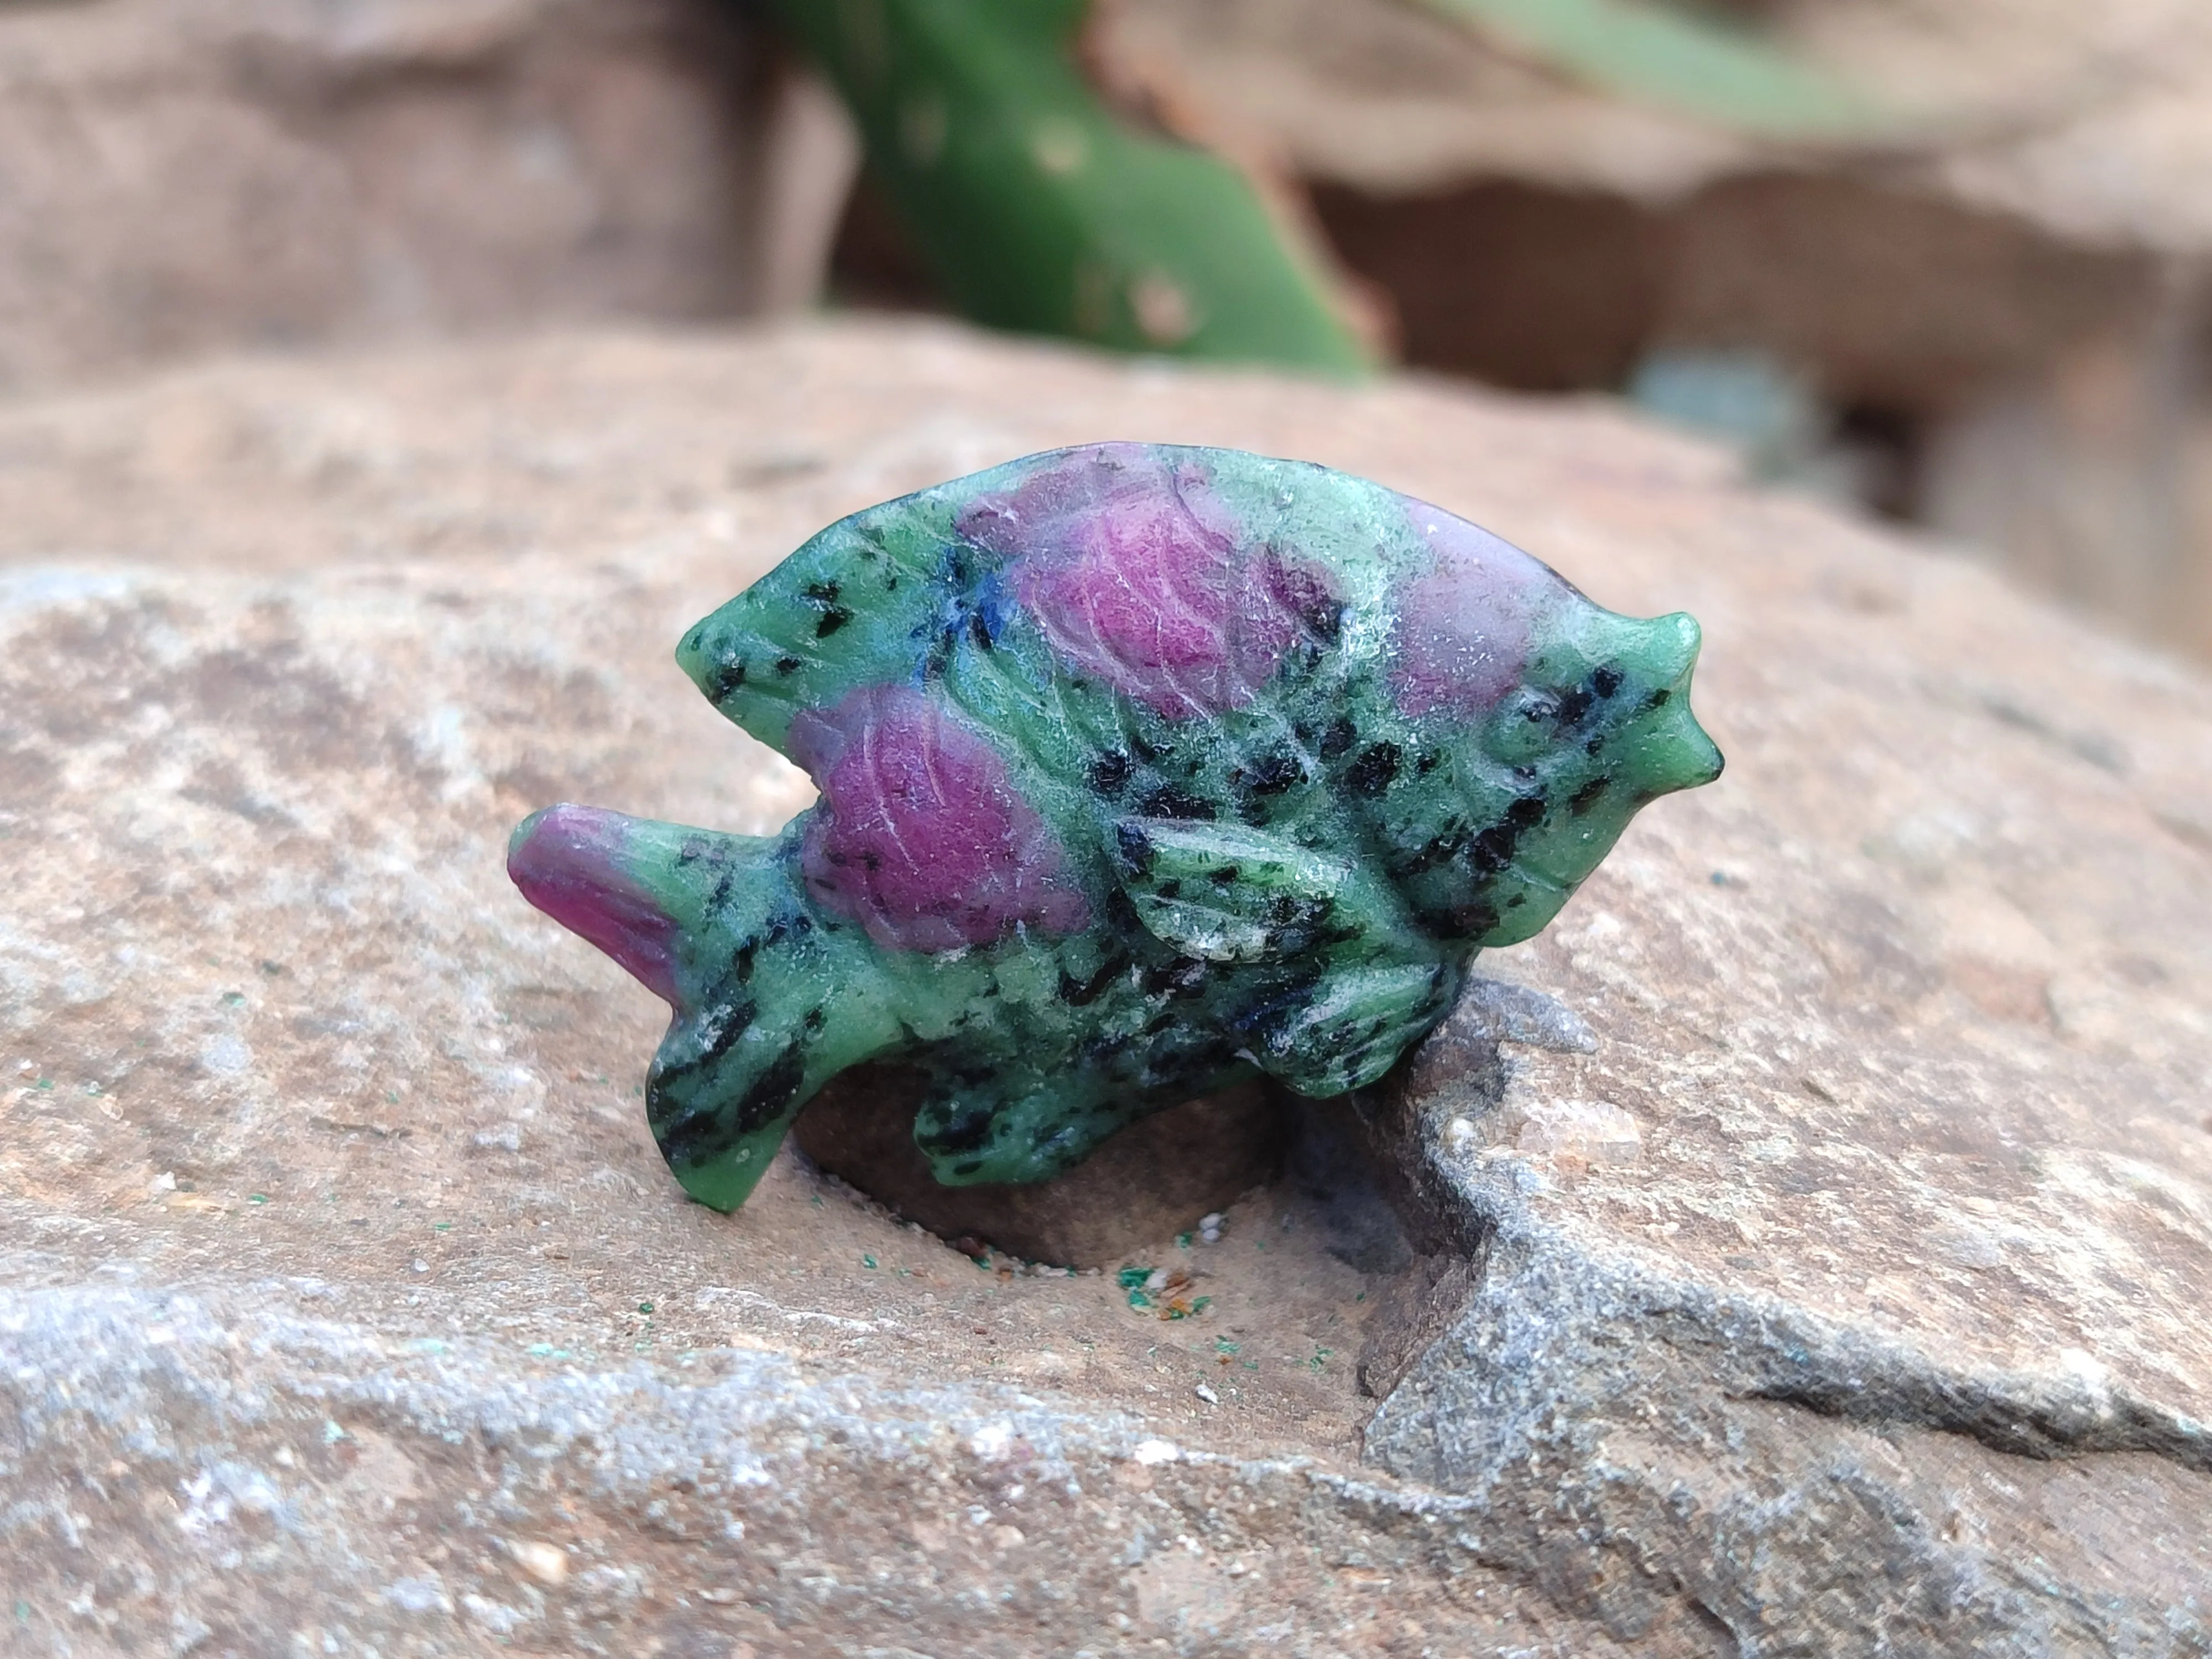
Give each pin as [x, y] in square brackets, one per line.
[255, 1470]
[1643, 1441]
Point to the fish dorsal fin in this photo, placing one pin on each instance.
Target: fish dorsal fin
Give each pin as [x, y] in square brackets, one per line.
[861, 604]
[1227, 893]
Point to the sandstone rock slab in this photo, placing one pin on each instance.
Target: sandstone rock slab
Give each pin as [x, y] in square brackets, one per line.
[1809, 1249]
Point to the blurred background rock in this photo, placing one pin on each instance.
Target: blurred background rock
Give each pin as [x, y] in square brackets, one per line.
[1946, 260]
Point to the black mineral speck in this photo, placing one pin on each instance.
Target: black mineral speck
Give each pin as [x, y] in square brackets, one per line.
[1475, 919]
[1170, 801]
[725, 679]
[1136, 847]
[1272, 774]
[1492, 849]
[1109, 772]
[1374, 769]
[1318, 611]
[1079, 992]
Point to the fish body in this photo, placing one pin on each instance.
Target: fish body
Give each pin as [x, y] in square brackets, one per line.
[1141, 768]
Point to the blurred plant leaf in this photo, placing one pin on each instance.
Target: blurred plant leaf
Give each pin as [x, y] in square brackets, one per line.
[1700, 67]
[1040, 210]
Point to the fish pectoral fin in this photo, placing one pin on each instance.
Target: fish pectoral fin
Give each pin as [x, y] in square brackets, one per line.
[1347, 1029]
[1227, 893]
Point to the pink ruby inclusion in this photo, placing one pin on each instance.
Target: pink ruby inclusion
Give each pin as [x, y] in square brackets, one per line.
[1139, 575]
[1464, 625]
[920, 837]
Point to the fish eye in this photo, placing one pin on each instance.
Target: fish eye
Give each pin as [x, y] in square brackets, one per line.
[1525, 726]
[1534, 706]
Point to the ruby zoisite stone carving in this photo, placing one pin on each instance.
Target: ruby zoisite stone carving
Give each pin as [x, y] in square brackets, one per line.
[1142, 768]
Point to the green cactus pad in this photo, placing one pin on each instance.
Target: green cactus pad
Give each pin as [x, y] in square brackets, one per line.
[1038, 209]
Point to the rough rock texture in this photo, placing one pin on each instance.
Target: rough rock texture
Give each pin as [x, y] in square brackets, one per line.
[1824, 1271]
[1645, 1439]
[183, 175]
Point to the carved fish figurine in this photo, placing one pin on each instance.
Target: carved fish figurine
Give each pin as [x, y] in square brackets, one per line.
[1141, 768]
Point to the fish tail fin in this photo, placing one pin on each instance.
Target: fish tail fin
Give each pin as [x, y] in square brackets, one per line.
[766, 1004]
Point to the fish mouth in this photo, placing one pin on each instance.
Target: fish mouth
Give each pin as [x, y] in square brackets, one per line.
[1671, 750]
[1653, 746]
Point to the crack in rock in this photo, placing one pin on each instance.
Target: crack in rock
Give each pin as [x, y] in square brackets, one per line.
[1661, 1453]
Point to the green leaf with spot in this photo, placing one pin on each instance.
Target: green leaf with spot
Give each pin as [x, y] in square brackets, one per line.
[1038, 209]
